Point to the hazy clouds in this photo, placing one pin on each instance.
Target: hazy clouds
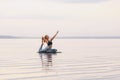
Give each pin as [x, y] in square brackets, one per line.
[74, 18]
[81, 1]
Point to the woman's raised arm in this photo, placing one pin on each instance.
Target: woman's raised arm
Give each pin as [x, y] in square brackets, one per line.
[54, 36]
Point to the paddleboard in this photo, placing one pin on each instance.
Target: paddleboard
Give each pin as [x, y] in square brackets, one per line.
[50, 52]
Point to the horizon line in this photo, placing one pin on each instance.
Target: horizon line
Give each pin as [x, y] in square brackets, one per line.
[61, 37]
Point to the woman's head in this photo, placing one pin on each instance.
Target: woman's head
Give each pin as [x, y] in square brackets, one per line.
[47, 37]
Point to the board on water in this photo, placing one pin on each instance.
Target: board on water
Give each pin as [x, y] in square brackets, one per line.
[51, 52]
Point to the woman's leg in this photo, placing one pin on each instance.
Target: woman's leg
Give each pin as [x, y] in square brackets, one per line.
[51, 50]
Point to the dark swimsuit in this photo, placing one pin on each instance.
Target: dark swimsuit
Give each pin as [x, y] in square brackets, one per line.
[49, 43]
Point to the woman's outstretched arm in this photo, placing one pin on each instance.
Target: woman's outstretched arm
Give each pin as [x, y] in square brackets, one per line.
[54, 36]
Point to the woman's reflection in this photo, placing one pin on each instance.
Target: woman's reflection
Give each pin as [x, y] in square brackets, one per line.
[46, 60]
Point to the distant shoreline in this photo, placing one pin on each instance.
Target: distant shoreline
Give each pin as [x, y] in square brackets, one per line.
[83, 37]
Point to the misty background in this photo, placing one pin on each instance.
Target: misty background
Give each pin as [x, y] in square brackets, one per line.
[34, 18]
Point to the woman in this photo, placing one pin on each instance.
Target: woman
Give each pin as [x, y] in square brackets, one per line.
[49, 43]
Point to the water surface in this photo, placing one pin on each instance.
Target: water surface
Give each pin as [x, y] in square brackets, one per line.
[81, 59]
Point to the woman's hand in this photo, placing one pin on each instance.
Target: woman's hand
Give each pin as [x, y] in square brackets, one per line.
[54, 36]
[57, 32]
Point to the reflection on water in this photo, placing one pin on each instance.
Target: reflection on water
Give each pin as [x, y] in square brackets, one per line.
[46, 60]
[87, 59]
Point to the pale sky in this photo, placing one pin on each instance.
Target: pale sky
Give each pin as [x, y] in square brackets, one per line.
[70, 17]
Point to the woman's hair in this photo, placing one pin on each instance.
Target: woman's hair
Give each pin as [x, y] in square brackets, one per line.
[46, 37]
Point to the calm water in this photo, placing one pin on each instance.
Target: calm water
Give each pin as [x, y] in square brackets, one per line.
[81, 59]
